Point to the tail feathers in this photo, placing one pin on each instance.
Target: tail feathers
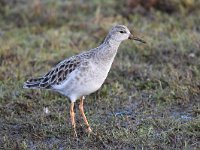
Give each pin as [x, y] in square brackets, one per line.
[33, 83]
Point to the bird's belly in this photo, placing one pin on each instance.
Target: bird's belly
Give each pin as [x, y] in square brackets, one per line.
[91, 82]
[83, 83]
[88, 87]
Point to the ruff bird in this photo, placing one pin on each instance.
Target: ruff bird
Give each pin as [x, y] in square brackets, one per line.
[83, 74]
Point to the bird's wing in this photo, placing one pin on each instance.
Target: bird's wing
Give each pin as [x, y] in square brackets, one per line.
[56, 75]
[61, 72]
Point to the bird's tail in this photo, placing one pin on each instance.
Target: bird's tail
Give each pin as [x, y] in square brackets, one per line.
[33, 83]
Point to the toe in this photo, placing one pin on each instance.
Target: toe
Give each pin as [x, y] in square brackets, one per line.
[89, 130]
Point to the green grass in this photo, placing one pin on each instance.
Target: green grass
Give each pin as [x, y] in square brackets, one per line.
[150, 99]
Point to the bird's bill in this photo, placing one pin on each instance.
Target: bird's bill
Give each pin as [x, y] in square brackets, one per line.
[131, 37]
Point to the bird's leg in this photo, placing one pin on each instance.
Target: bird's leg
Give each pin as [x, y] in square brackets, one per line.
[83, 115]
[72, 115]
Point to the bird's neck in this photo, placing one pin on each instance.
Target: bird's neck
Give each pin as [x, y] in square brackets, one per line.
[108, 49]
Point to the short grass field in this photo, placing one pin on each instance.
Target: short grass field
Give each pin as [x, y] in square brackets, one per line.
[150, 100]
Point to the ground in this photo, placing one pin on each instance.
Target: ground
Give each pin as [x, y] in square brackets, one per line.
[150, 99]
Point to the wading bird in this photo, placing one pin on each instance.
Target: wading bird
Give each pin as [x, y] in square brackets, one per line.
[83, 74]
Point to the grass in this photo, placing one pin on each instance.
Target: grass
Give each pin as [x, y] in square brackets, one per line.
[150, 99]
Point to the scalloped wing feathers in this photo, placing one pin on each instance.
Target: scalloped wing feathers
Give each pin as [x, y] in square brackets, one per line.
[56, 75]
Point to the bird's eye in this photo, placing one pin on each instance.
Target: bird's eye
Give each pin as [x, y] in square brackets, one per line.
[122, 31]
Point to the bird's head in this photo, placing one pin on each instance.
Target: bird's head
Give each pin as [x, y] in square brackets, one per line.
[120, 33]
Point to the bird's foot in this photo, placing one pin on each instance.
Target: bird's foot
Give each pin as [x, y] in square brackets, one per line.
[75, 134]
[89, 130]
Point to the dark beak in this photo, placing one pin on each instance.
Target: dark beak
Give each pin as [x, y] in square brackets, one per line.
[131, 37]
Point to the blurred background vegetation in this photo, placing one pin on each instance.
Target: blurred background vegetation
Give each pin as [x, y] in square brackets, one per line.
[150, 99]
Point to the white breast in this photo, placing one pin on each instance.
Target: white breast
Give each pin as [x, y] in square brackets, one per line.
[82, 82]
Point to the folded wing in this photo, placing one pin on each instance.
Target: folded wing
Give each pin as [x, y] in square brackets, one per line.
[56, 75]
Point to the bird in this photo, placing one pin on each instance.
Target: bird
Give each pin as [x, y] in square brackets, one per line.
[82, 74]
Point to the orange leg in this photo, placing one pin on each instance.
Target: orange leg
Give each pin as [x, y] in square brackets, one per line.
[72, 115]
[83, 115]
